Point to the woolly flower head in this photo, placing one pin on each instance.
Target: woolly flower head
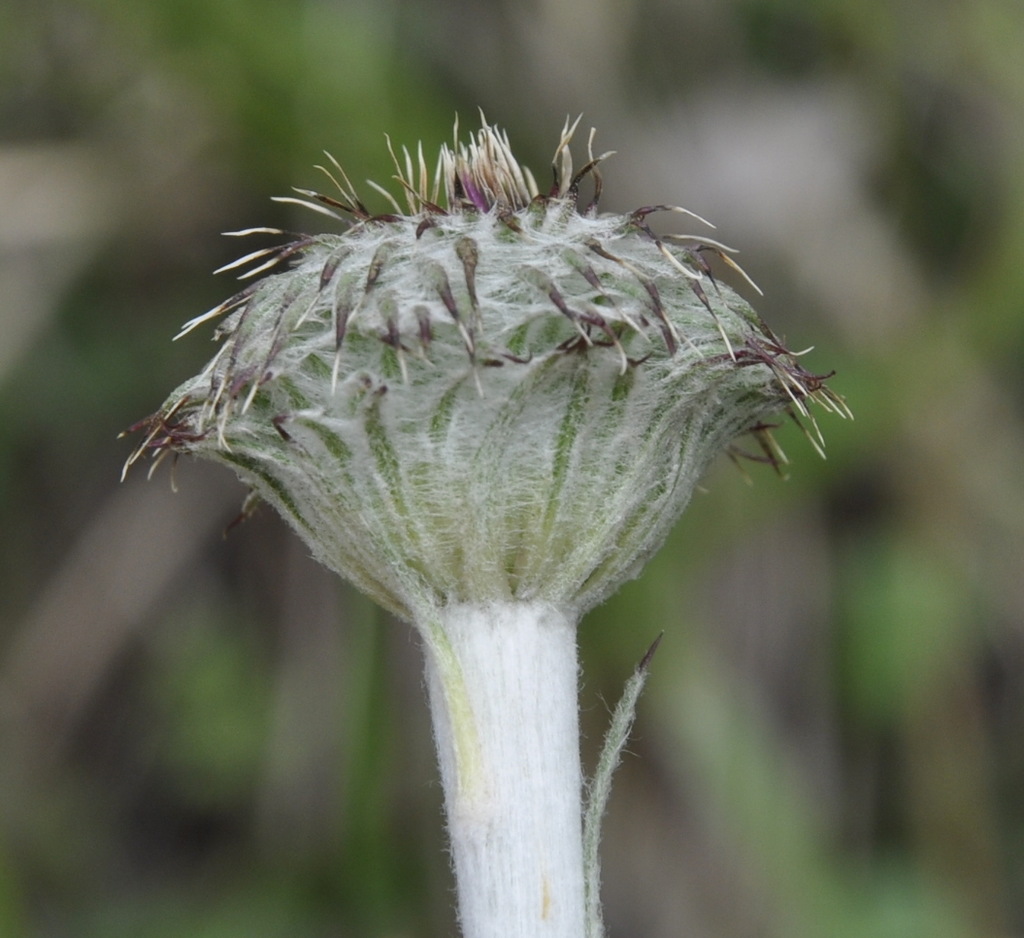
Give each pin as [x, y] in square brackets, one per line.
[508, 397]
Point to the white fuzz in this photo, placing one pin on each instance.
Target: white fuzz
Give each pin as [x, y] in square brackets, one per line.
[502, 681]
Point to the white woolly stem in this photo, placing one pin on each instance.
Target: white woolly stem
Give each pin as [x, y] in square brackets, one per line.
[502, 681]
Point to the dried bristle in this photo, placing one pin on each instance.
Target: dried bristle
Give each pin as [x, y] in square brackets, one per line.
[479, 175]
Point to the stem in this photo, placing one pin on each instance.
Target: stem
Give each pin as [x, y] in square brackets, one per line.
[502, 683]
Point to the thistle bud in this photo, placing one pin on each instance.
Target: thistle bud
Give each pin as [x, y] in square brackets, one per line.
[509, 398]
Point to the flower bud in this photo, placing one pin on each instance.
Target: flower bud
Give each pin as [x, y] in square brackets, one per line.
[507, 399]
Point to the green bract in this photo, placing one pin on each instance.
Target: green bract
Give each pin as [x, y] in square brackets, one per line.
[508, 399]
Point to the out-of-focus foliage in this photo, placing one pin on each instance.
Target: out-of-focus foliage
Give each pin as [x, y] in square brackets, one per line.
[210, 737]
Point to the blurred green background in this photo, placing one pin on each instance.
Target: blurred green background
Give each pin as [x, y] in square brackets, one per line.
[211, 737]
